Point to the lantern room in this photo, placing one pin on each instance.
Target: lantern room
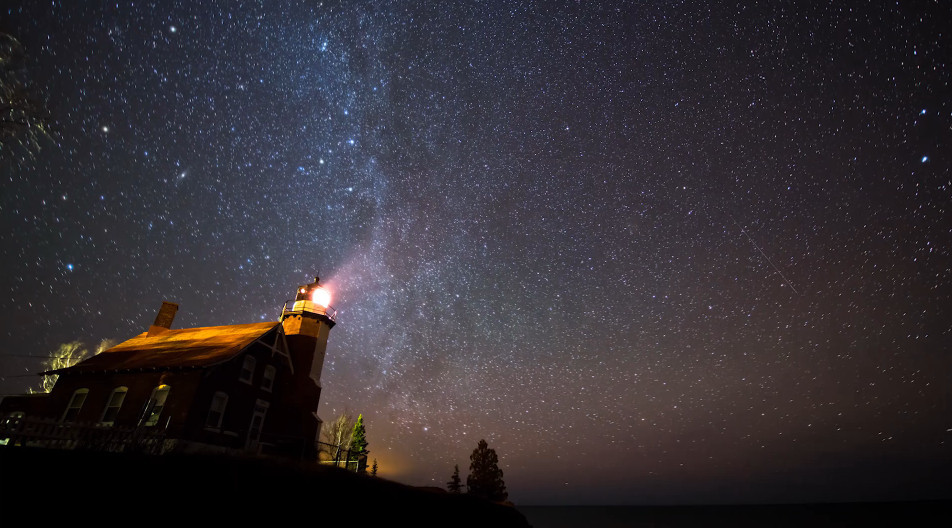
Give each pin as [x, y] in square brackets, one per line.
[311, 301]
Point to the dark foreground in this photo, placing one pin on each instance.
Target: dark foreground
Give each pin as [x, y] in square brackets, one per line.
[866, 515]
[49, 486]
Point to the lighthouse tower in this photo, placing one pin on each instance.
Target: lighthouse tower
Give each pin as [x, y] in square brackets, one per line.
[307, 323]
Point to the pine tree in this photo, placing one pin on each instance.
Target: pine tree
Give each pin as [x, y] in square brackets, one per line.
[373, 469]
[485, 477]
[455, 485]
[358, 444]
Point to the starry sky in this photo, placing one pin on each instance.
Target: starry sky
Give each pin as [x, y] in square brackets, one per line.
[652, 252]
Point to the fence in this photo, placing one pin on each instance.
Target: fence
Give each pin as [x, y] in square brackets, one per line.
[339, 456]
[53, 434]
[50, 433]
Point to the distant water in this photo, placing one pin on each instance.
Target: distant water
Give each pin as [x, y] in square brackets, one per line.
[913, 514]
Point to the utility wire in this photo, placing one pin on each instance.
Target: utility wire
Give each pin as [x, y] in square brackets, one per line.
[746, 234]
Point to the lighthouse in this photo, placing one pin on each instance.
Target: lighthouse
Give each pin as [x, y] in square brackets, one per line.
[306, 326]
[307, 321]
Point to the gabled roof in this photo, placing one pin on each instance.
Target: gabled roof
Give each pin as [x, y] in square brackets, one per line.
[183, 348]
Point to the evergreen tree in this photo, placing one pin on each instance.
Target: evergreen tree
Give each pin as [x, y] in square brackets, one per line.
[485, 477]
[373, 470]
[358, 445]
[455, 485]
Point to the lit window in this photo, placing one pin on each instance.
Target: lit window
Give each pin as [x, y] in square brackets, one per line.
[75, 404]
[217, 410]
[247, 369]
[113, 405]
[156, 404]
[267, 381]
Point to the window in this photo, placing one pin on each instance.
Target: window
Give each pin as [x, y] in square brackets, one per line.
[267, 382]
[247, 370]
[113, 405]
[12, 418]
[217, 410]
[75, 404]
[257, 424]
[10, 422]
[156, 403]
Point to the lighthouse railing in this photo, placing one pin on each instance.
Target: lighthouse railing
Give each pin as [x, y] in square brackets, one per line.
[329, 311]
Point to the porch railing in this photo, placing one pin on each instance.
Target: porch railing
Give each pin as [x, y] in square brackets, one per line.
[53, 434]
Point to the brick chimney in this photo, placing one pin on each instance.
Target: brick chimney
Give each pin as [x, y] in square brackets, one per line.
[163, 321]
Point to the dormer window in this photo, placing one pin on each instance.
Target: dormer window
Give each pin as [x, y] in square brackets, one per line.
[247, 370]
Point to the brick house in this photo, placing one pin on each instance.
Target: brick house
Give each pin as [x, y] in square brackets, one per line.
[253, 387]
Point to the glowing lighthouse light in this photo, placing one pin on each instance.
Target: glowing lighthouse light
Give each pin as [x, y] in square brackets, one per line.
[321, 297]
[312, 300]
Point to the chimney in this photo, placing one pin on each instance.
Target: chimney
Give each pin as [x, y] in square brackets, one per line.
[163, 321]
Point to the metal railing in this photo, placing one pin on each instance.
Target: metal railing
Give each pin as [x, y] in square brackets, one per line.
[53, 434]
[330, 311]
[338, 456]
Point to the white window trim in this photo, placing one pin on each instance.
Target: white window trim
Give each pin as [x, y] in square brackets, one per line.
[260, 409]
[253, 363]
[221, 415]
[150, 405]
[125, 392]
[73, 399]
[267, 382]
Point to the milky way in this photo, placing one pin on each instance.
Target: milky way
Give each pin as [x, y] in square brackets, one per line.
[650, 252]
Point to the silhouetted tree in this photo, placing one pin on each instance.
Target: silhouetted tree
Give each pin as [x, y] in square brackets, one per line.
[373, 469]
[66, 355]
[24, 121]
[358, 444]
[485, 477]
[455, 485]
[337, 435]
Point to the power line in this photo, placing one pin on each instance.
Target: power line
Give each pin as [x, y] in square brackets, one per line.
[744, 231]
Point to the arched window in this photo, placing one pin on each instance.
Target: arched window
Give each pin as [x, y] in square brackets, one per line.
[75, 405]
[217, 410]
[267, 380]
[156, 403]
[247, 369]
[113, 404]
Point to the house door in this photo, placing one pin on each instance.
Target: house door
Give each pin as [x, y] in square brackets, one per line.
[257, 424]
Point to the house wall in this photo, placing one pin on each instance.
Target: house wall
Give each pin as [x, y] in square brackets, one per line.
[140, 385]
[278, 426]
[28, 404]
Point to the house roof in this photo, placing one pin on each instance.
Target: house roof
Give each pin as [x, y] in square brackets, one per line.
[183, 348]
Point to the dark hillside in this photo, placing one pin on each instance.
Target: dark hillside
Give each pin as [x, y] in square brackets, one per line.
[83, 486]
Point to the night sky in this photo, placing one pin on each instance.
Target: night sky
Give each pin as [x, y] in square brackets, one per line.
[652, 252]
